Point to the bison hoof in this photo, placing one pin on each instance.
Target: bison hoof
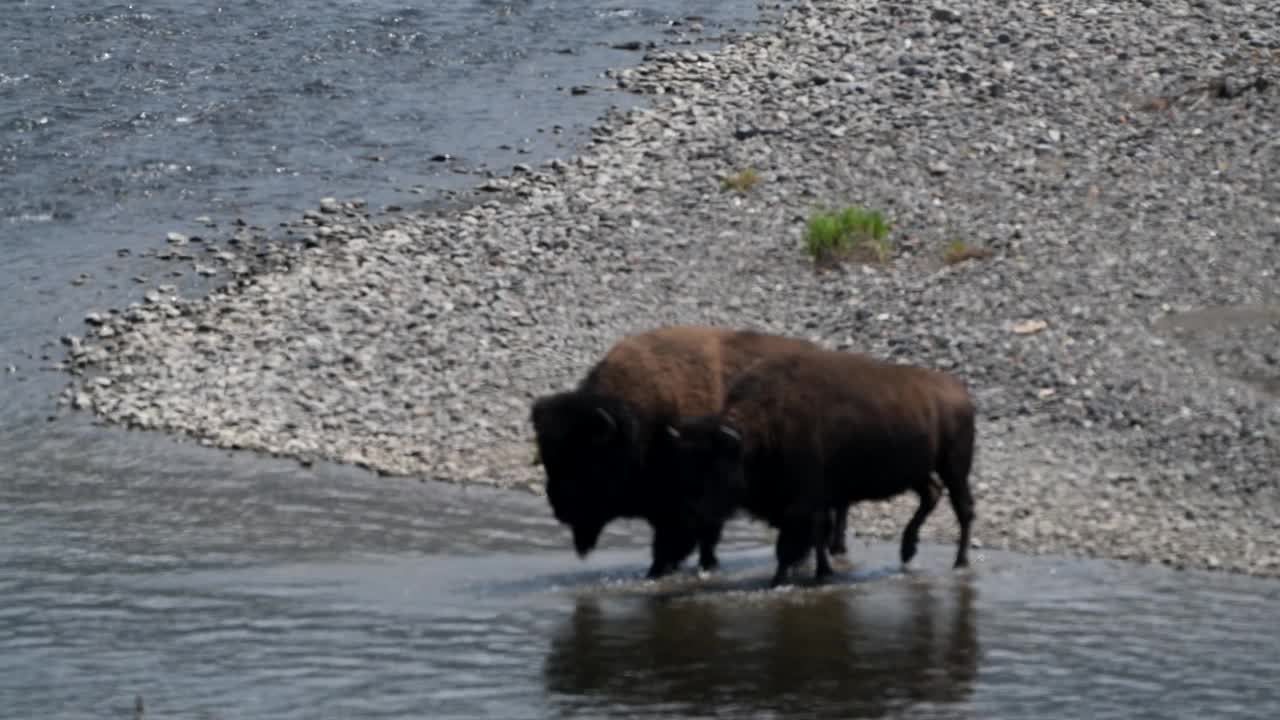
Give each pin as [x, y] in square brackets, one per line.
[779, 580]
[656, 572]
[908, 552]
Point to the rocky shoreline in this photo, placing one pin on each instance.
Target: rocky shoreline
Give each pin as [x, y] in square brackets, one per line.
[1116, 160]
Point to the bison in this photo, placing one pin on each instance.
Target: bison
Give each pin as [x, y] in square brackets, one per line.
[807, 433]
[603, 446]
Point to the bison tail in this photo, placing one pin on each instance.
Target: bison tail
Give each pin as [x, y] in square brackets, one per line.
[955, 454]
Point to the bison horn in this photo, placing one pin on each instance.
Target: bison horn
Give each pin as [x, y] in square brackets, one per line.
[730, 433]
[607, 418]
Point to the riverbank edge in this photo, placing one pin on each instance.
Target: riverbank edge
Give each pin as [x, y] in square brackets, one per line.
[263, 250]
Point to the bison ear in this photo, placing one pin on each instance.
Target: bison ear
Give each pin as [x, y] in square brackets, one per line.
[604, 426]
[728, 440]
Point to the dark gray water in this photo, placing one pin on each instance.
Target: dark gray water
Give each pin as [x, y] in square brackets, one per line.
[217, 585]
[221, 585]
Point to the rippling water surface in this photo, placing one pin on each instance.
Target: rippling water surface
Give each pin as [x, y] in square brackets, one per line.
[220, 585]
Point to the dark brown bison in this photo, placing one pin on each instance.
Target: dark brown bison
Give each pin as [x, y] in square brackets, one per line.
[604, 447]
[808, 433]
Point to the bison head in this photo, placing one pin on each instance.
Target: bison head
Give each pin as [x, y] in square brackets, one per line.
[587, 448]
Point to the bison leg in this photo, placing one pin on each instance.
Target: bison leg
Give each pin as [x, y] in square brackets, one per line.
[839, 528]
[821, 533]
[954, 469]
[795, 535]
[962, 504]
[929, 494]
[708, 538]
[672, 543]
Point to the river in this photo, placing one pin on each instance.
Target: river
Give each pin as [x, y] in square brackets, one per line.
[219, 585]
[137, 568]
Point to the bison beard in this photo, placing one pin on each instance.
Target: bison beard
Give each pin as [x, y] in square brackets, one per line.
[808, 434]
[603, 447]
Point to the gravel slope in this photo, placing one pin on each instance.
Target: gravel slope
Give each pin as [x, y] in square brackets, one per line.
[1118, 159]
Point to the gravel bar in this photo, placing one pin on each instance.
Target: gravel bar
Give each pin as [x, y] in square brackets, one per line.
[1117, 160]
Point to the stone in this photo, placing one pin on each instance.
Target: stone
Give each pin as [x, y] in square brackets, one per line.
[1029, 327]
[945, 15]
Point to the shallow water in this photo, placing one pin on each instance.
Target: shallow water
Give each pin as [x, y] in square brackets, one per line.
[215, 584]
[222, 585]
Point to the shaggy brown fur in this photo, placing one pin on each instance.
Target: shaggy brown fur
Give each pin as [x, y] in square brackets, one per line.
[603, 446]
[809, 432]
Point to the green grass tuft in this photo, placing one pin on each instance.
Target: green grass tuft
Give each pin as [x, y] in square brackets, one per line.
[741, 181]
[853, 233]
[958, 251]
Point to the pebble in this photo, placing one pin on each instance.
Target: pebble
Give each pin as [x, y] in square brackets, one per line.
[946, 15]
[1029, 327]
[416, 341]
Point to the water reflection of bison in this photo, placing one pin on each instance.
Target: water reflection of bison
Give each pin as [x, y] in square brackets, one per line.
[833, 652]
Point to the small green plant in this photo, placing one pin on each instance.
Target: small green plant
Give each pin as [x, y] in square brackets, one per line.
[741, 181]
[958, 251]
[853, 233]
